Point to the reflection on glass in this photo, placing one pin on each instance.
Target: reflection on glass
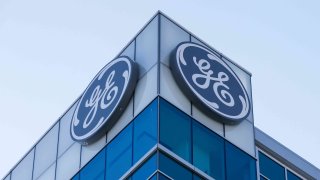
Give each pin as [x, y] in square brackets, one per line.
[239, 165]
[292, 176]
[147, 169]
[173, 169]
[270, 168]
[183, 136]
[95, 169]
[119, 154]
[145, 131]
[175, 130]
[208, 151]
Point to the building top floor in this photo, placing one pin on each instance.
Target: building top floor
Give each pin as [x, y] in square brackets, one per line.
[151, 49]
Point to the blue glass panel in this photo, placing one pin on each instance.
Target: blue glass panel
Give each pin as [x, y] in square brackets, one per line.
[208, 151]
[175, 130]
[119, 154]
[162, 177]
[145, 131]
[173, 169]
[147, 169]
[154, 177]
[239, 165]
[196, 177]
[270, 168]
[76, 177]
[263, 178]
[292, 176]
[95, 169]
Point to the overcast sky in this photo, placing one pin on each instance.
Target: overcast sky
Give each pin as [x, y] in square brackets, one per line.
[50, 50]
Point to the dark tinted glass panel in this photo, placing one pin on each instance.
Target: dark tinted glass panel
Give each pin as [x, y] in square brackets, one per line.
[95, 169]
[162, 177]
[270, 168]
[145, 131]
[292, 176]
[172, 168]
[239, 165]
[196, 177]
[119, 154]
[208, 151]
[263, 178]
[147, 169]
[175, 130]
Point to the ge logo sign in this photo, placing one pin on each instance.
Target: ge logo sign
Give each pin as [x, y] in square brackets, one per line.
[104, 100]
[210, 83]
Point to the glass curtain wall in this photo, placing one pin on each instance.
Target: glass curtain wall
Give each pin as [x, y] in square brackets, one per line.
[271, 170]
[201, 147]
[125, 149]
[195, 145]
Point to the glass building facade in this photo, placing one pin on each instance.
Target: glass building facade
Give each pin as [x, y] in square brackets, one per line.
[161, 134]
[164, 139]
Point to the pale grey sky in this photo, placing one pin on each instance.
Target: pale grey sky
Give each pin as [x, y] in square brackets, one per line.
[50, 50]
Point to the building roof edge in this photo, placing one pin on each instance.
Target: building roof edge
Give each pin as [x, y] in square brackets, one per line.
[282, 153]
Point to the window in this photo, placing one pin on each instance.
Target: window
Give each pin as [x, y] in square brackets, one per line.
[147, 169]
[76, 177]
[161, 176]
[196, 177]
[175, 130]
[126, 148]
[292, 176]
[203, 148]
[180, 134]
[119, 154]
[239, 165]
[145, 131]
[173, 169]
[208, 151]
[95, 169]
[263, 178]
[270, 169]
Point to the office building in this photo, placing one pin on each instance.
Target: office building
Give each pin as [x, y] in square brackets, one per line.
[169, 106]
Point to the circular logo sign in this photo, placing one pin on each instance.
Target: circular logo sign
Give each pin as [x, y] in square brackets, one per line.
[104, 100]
[210, 83]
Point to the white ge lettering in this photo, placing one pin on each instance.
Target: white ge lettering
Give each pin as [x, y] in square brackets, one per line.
[218, 82]
[100, 99]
